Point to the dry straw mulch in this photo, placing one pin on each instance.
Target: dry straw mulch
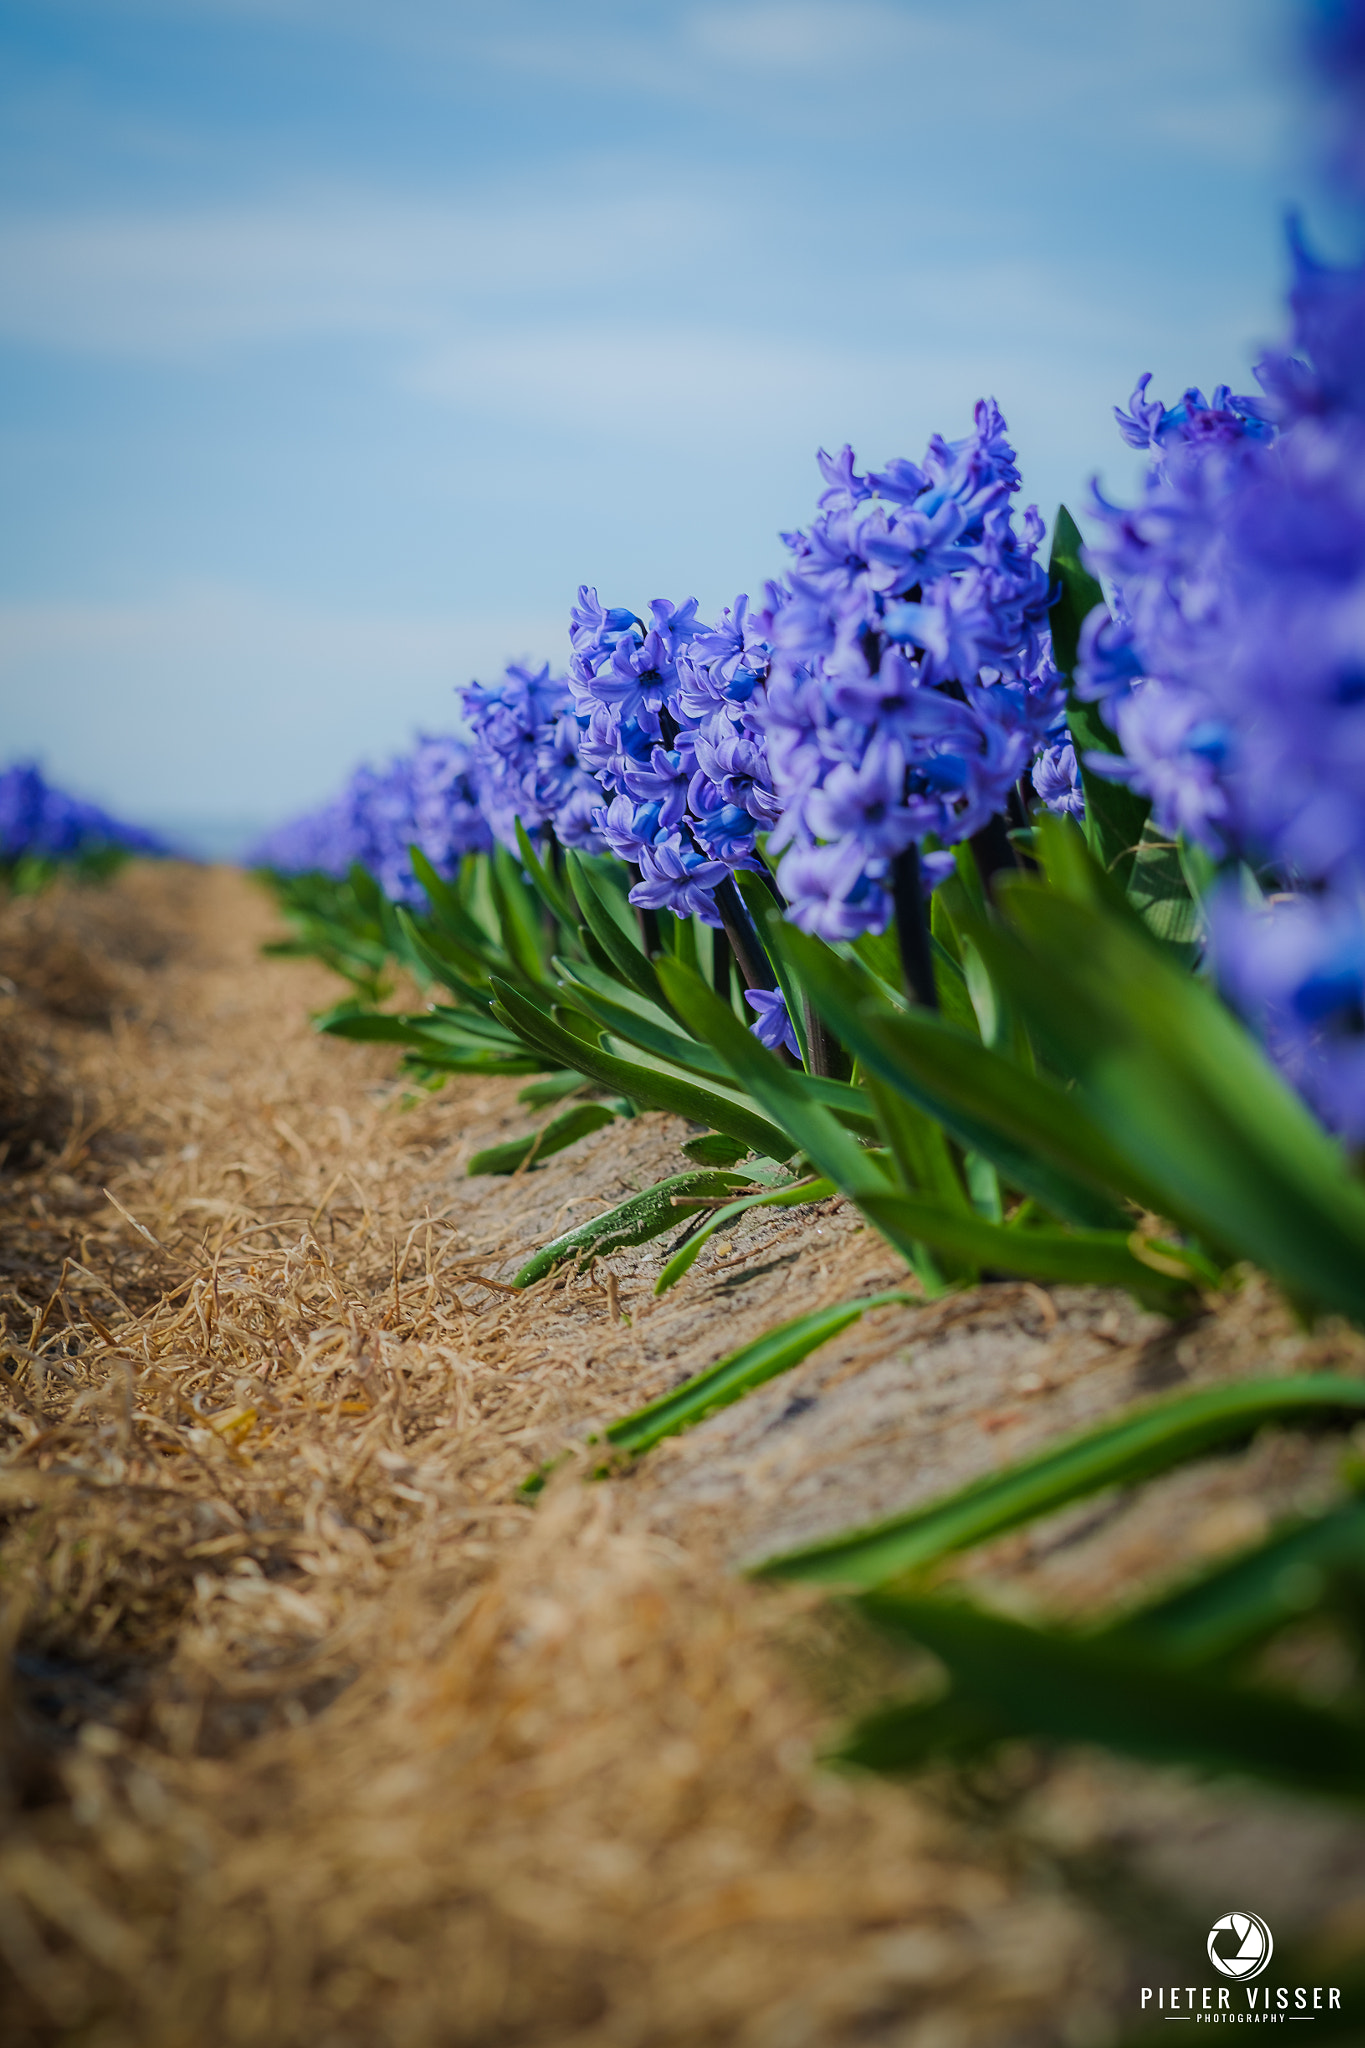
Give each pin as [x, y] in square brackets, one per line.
[314, 1733]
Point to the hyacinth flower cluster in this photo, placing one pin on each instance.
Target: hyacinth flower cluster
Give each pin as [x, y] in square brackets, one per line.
[1232, 667]
[526, 750]
[912, 685]
[40, 822]
[670, 713]
[427, 798]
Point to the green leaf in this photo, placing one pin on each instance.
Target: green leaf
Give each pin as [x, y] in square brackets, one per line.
[1159, 892]
[787, 1095]
[714, 1149]
[518, 915]
[653, 1085]
[567, 1129]
[624, 953]
[1078, 1258]
[1145, 1441]
[629, 1015]
[735, 1375]
[1027, 1126]
[1078, 591]
[1181, 1089]
[771, 1198]
[451, 915]
[1236, 1606]
[772, 927]
[553, 1088]
[435, 964]
[369, 1026]
[544, 882]
[797, 1099]
[1069, 1689]
[631, 1222]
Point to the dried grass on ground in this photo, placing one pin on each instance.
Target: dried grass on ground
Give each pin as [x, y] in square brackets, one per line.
[316, 1734]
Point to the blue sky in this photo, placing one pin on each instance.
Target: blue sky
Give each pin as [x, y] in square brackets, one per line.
[341, 339]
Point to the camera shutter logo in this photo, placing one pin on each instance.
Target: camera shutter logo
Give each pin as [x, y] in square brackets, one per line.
[1240, 1945]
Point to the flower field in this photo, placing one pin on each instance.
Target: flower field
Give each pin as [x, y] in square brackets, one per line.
[693, 1371]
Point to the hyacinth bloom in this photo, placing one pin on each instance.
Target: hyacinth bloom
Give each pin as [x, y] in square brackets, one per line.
[911, 683]
[527, 760]
[428, 798]
[670, 714]
[1056, 777]
[1232, 667]
[40, 822]
[772, 1026]
[1295, 968]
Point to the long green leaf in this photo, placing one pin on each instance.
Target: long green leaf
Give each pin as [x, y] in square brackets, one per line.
[630, 1016]
[777, 1351]
[1148, 1440]
[1179, 1087]
[624, 955]
[631, 1222]
[1068, 1689]
[575, 1123]
[544, 882]
[1237, 1605]
[1028, 1127]
[795, 1098]
[772, 1198]
[783, 1092]
[1077, 1258]
[518, 914]
[652, 1085]
[434, 963]
[449, 912]
[369, 1026]
[421, 945]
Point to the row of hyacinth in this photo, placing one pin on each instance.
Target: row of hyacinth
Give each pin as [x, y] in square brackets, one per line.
[1231, 663]
[894, 688]
[896, 685]
[40, 822]
[428, 798]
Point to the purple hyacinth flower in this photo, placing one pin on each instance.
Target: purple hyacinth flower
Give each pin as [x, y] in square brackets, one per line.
[1296, 971]
[675, 876]
[772, 1026]
[912, 681]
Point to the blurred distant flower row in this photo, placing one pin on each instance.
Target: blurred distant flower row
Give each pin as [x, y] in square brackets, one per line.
[42, 827]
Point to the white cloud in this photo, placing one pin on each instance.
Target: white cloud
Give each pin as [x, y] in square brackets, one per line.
[169, 281]
[817, 36]
[231, 703]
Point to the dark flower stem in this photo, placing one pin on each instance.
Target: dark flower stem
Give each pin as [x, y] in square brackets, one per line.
[994, 853]
[827, 1056]
[755, 968]
[753, 963]
[720, 965]
[912, 929]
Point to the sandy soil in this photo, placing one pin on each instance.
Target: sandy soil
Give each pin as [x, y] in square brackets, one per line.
[314, 1732]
